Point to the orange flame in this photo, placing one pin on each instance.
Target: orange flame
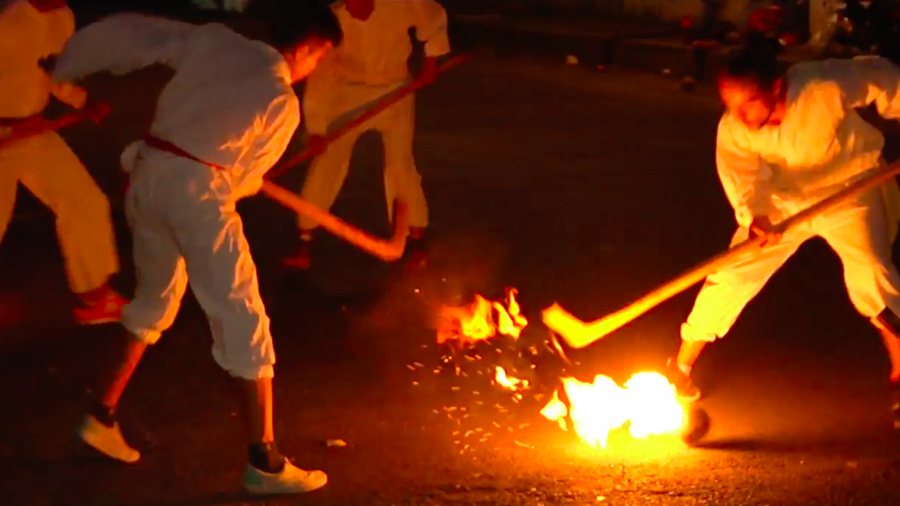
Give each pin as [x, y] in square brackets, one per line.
[509, 382]
[648, 402]
[475, 322]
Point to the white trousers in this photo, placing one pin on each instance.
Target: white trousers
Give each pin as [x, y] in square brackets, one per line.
[185, 227]
[47, 167]
[857, 232]
[401, 179]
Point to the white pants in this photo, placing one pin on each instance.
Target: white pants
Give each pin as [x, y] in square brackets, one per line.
[401, 179]
[47, 167]
[857, 232]
[185, 226]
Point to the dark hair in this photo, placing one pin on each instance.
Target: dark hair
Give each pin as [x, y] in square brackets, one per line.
[303, 21]
[757, 62]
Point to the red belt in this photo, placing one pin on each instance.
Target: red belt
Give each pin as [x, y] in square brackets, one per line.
[166, 146]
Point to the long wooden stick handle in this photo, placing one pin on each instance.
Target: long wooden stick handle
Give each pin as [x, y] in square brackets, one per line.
[579, 334]
[96, 113]
[380, 106]
[388, 251]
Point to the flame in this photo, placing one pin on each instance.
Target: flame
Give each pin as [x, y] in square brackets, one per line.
[509, 382]
[648, 401]
[475, 322]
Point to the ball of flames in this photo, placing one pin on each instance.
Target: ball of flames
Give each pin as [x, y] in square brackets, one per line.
[648, 404]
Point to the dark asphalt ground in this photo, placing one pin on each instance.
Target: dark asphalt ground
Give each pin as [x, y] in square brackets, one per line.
[583, 188]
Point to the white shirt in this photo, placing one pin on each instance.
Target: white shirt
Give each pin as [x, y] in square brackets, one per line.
[376, 51]
[821, 145]
[230, 101]
[27, 36]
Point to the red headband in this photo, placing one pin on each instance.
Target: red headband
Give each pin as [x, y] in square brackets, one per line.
[47, 5]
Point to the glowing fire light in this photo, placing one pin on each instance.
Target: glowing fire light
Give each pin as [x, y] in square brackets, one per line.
[509, 382]
[476, 322]
[648, 402]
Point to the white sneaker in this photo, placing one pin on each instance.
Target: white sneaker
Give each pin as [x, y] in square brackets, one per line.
[291, 480]
[107, 440]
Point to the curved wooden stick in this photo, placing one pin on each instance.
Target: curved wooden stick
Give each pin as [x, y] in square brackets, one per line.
[381, 104]
[388, 251]
[579, 334]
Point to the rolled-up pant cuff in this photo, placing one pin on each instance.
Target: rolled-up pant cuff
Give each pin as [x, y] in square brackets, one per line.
[148, 337]
[690, 333]
[250, 373]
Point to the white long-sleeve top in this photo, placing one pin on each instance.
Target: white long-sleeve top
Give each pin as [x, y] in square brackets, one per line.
[229, 103]
[27, 36]
[374, 52]
[821, 145]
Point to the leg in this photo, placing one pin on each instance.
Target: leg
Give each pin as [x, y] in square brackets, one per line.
[13, 159]
[401, 179]
[83, 224]
[257, 394]
[858, 233]
[326, 176]
[161, 282]
[323, 183]
[223, 277]
[722, 299]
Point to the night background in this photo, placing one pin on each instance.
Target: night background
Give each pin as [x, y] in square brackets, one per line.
[572, 159]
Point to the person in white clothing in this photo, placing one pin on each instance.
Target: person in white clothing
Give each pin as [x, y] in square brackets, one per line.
[31, 33]
[785, 142]
[371, 62]
[223, 120]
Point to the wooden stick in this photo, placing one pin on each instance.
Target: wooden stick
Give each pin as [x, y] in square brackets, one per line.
[380, 106]
[579, 334]
[385, 250]
[30, 129]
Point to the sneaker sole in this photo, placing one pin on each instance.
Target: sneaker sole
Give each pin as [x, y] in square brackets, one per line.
[262, 491]
[81, 437]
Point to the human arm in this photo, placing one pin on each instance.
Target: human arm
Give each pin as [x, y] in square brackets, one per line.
[120, 44]
[866, 80]
[743, 174]
[430, 22]
[269, 140]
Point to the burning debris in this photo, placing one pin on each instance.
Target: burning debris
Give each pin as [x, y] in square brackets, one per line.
[466, 325]
[508, 382]
[483, 339]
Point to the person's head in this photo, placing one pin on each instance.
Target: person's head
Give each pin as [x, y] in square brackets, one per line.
[360, 9]
[752, 86]
[304, 34]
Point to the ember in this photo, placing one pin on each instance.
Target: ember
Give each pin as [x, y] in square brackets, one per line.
[647, 404]
[508, 382]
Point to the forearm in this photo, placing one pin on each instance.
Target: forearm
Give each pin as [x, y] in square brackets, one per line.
[70, 94]
[431, 28]
[121, 44]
